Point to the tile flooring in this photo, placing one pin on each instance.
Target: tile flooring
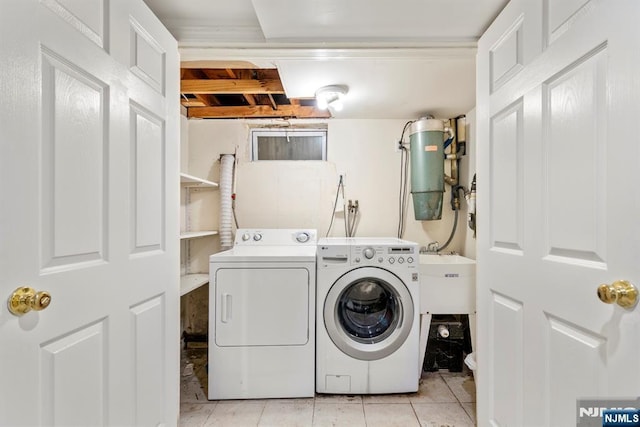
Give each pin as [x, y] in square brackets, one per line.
[445, 399]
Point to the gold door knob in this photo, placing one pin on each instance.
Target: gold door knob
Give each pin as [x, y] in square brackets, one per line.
[621, 292]
[25, 299]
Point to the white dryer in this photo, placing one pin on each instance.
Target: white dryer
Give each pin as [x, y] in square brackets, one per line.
[367, 335]
[262, 316]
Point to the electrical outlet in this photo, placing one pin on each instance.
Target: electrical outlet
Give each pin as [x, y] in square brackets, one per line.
[397, 146]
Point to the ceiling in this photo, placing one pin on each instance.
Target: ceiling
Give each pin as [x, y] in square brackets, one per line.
[402, 59]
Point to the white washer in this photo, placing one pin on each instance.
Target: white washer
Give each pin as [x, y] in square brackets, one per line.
[262, 316]
[367, 336]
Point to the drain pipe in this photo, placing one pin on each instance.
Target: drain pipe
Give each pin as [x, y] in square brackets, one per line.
[458, 149]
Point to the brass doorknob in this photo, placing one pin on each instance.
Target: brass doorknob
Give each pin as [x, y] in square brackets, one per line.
[25, 299]
[621, 292]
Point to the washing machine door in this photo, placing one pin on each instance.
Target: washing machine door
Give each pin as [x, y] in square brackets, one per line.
[368, 313]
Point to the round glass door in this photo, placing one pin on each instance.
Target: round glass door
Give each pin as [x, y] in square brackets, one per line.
[369, 310]
[368, 313]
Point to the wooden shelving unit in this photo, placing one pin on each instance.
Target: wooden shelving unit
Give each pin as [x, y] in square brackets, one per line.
[191, 281]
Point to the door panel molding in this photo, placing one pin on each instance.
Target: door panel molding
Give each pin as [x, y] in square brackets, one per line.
[75, 209]
[148, 154]
[560, 15]
[506, 55]
[507, 370]
[574, 127]
[70, 397]
[506, 179]
[89, 17]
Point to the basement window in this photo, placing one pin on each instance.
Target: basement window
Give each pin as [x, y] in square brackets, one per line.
[288, 144]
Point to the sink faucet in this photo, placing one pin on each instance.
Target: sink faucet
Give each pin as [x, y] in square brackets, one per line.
[431, 248]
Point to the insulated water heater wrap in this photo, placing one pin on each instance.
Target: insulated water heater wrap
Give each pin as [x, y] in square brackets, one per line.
[426, 138]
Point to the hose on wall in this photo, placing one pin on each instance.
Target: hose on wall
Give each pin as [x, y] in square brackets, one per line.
[453, 231]
[404, 171]
[226, 215]
[335, 204]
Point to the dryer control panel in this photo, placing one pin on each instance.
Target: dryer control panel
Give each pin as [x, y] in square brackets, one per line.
[275, 237]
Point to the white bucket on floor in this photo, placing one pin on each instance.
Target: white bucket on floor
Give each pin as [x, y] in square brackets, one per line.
[470, 361]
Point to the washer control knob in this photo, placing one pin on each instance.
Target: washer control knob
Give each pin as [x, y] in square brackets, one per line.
[369, 253]
[257, 237]
[410, 260]
[391, 260]
[358, 259]
[401, 260]
[380, 259]
[302, 237]
[246, 236]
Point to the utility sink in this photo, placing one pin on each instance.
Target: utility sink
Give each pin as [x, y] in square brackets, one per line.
[447, 284]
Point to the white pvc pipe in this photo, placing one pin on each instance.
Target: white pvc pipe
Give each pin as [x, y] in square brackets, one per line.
[226, 214]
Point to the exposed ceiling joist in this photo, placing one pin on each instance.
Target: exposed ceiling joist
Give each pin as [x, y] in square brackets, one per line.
[230, 86]
[251, 100]
[189, 104]
[257, 111]
[272, 101]
[207, 100]
[214, 93]
[248, 97]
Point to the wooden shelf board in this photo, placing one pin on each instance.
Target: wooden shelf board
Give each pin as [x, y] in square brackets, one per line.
[195, 234]
[191, 282]
[193, 181]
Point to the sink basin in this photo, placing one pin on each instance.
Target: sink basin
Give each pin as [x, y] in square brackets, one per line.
[447, 284]
[445, 259]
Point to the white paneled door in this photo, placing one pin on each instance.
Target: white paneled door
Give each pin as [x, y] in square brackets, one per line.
[558, 170]
[88, 177]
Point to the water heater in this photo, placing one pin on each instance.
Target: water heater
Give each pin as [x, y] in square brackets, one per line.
[426, 138]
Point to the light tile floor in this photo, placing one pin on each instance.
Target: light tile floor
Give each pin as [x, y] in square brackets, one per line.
[444, 399]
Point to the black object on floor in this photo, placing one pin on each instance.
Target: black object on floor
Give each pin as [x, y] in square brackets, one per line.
[187, 338]
[447, 350]
[443, 354]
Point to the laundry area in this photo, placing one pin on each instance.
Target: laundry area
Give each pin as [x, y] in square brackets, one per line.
[314, 237]
[387, 210]
[319, 213]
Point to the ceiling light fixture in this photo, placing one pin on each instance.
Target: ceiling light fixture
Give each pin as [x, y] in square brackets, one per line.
[331, 96]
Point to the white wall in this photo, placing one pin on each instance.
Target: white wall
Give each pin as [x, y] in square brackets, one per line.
[301, 194]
